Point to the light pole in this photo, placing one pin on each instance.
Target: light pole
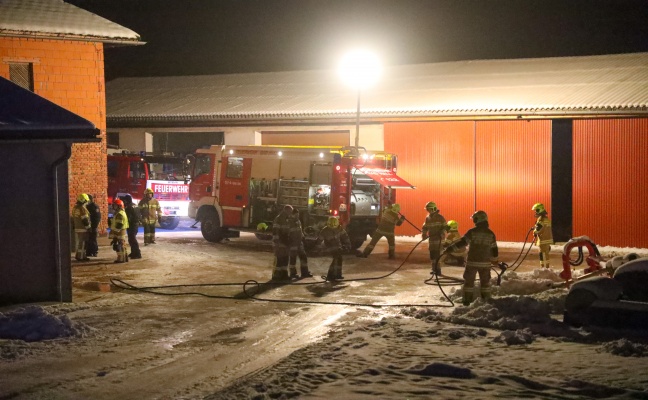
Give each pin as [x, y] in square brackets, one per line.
[359, 69]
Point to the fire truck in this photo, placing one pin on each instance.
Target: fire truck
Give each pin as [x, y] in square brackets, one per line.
[234, 189]
[132, 173]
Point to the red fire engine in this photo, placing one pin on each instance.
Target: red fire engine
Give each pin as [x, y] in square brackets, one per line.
[236, 188]
[132, 173]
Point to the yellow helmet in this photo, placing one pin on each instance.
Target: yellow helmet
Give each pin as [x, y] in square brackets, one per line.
[479, 216]
[539, 208]
[83, 198]
[333, 222]
[395, 208]
[453, 225]
[262, 226]
[431, 206]
[148, 190]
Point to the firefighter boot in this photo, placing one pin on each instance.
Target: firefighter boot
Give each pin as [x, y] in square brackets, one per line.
[330, 275]
[338, 273]
[293, 272]
[280, 276]
[436, 268]
[392, 254]
[486, 294]
[305, 273]
[467, 296]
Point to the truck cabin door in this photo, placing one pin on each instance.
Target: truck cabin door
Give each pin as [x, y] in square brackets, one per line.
[137, 175]
[234, 199]
[202, 177]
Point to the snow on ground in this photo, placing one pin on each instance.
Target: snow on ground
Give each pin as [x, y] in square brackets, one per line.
[514, 346]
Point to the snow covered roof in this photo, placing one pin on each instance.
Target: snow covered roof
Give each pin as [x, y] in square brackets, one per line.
[539, 87]
[27, 116]
[55, 19]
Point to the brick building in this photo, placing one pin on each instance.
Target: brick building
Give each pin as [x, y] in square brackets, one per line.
[56, 50]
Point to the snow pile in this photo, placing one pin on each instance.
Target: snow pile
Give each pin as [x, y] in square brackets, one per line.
[625, 348]
[520, 336]
[34, 324]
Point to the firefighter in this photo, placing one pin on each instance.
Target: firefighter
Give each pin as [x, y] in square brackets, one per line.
[297, 247]
[151, 213]
[81, 224]
[336, 241]
[281, 244]
[118, 230]
[434, 230]
[92, 248]
[390, 219]
[482, 255]
[132, 213]
[457, 257]
[543, 234]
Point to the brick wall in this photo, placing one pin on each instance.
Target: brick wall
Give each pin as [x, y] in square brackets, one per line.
[70, 74]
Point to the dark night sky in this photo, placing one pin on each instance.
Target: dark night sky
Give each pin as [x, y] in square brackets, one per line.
[187, 37]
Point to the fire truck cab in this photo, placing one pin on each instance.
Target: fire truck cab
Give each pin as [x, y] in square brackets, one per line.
[236, 188]
[132, 173]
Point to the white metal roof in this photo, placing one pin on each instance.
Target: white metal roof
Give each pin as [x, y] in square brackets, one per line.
[540, 87]
[60, 20]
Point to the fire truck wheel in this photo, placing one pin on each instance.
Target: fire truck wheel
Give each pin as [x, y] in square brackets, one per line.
[210, 227]
[169, 223]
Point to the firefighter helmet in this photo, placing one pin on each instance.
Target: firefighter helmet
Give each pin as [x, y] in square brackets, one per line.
[148, 190]
[453, 225]
[83, 198]
[479, 216]
[118, 203]
[395, 208]
[262, 226]
[431, 206]
[127, 199]
[539, 208]
[333, 222]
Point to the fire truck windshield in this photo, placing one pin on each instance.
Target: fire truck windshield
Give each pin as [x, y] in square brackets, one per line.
[166, 171]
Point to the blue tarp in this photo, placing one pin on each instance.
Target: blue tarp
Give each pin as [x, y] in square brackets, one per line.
[27, 116]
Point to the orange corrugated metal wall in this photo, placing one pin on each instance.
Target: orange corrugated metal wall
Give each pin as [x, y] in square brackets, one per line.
[513, 171]
[437, 158]
[610, 193]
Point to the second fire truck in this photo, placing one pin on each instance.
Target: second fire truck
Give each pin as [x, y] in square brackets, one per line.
[239, 188]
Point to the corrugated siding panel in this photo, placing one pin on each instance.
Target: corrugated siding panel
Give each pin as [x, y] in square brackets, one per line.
[436, 157]
[610, 175]
[513, 173]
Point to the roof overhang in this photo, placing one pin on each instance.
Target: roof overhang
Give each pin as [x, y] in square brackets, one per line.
[26, 116]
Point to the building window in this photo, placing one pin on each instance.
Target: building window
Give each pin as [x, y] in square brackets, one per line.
[112, 140]
[22, 74]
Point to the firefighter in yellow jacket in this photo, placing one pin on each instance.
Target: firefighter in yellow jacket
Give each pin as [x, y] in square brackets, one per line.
[391, 218]
[543, 234]
[336, 242]
[482, 255]
[434, 229]
[456, 257]
[151, 213]
[81, 222]
[118, 231]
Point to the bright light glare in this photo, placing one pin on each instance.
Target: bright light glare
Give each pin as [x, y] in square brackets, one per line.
[231, 152]
[360, 69]
[280, 153]
[321, 155]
